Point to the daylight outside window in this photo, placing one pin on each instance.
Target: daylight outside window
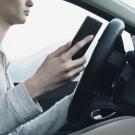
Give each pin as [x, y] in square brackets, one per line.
[51, 24]
[130, 3]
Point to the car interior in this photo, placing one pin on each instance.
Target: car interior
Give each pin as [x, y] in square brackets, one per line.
[104, 98]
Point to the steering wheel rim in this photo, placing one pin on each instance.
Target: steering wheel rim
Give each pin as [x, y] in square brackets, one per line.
[84, 90]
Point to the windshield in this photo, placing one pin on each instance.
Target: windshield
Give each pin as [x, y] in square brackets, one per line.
[130, 3]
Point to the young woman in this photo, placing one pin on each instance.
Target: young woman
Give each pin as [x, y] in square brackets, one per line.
[19, 112]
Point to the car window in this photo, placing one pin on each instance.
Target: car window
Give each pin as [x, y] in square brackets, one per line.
[130, 3]
[51, 24]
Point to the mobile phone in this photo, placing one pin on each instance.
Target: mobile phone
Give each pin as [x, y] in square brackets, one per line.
[90, 26]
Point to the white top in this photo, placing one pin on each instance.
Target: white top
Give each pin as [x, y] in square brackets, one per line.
[20, 115]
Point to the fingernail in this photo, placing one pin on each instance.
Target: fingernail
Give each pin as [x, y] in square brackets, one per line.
[68, 44]
[91, 36]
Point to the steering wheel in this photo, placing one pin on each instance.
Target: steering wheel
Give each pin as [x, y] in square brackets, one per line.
[85, 89]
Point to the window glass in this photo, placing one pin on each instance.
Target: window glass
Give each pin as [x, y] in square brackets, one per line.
[130, 3]
[51, 24]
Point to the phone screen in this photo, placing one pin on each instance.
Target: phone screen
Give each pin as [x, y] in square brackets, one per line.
[90, 26]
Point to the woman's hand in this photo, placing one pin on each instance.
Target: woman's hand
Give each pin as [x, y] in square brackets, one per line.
[57, 69]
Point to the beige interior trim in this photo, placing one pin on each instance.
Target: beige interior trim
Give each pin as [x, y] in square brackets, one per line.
[124, 125]
[121, 127]
[115, 8]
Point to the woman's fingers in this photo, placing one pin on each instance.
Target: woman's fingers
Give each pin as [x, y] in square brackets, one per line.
[74, 73]
[78, 62]
[71, 65]
[61, 50]
[71, 52]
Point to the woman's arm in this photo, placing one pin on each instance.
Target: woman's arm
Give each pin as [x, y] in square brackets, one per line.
[16, 108]
[49, 122]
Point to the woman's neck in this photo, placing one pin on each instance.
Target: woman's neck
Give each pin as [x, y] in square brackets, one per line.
[3, 29]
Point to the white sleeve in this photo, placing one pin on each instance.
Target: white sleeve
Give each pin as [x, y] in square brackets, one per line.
[49, 122]
[16, 107]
